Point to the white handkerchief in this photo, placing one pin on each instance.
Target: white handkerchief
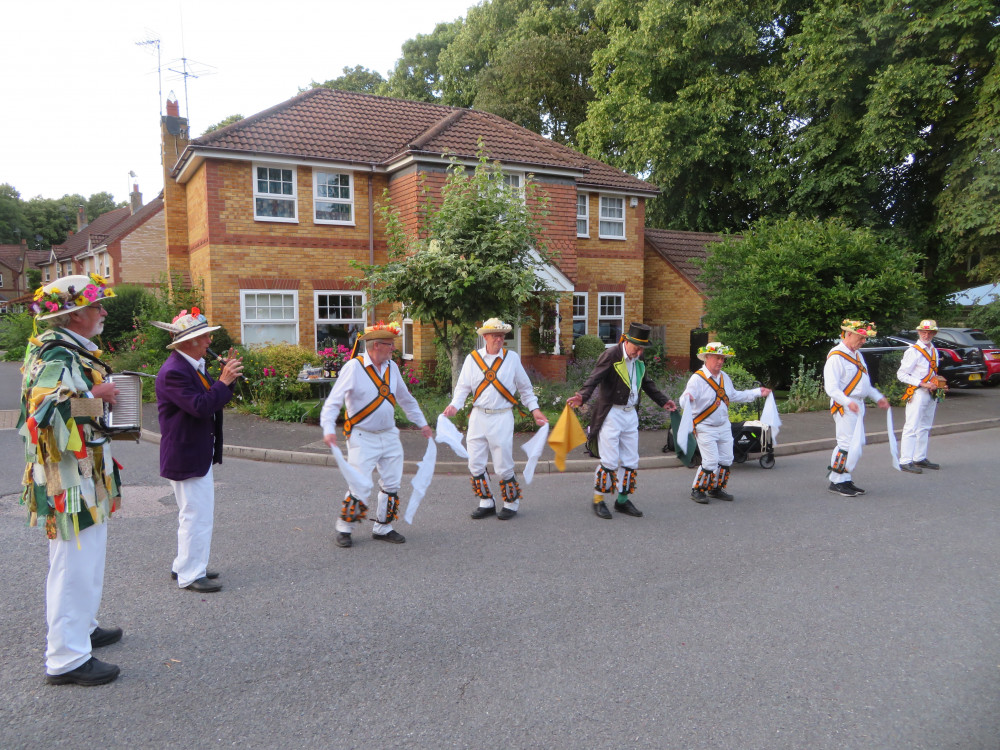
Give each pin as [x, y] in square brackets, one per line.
[358, 484]
[421, 480]
[685, 428]
[448, 434]
[893, 445]
[854, 450]
[533, 448]
[769, 417]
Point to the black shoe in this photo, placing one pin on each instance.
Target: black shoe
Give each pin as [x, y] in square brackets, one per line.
[102, 637]
[204, 586]
[92, 672]
[845, 489]
[481, 512]
[505, 514]
[344, 539]
[628, 509]
[393, 536]
[857, 489]
[212, 574]
[720, 494]
[699, 497]
[602, 511]
[925, 464]
[911, 468]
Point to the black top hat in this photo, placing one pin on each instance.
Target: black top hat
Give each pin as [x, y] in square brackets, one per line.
[638, 334]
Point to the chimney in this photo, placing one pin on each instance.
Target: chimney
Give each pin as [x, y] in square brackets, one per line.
[173, 108]
[135, 197]
[81, 218]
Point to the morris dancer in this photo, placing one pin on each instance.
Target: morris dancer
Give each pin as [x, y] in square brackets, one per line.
[846, 381]
[493, 375]
[919, 371]
[619, 374]
[370, 386]
[190, 405]
[71, 481]
[708, 393]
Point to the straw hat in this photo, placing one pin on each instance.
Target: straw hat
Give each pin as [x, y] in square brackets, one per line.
[380, 331]
[715, 347]
[858, 326]
[186, 326]
[927, 325]
[494, 325]
[68, 294]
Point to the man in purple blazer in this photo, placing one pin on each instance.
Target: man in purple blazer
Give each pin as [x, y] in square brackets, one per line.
[190, 410]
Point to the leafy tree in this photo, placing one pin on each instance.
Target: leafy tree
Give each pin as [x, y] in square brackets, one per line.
[472, 257]
[101, 203]
[12, 222]
[223, 123]
[417, 76]
[358, 79]
[987, 317]
[782, 289]
[34, 278]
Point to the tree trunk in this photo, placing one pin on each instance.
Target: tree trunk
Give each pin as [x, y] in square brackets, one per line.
[454, 347]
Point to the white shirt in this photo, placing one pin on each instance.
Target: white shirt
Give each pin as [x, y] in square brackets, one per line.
[704, 397]
[838, 373]
[198, 364]
[511, 375]
[914, 367]
[355, 389]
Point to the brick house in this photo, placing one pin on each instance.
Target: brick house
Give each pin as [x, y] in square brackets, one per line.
[15, 261]
[125, 245]
[267, 214]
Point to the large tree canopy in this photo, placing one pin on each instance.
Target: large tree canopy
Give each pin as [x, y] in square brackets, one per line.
[473, 257]
[782, 289]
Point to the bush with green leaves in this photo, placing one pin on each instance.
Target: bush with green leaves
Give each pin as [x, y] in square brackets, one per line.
[588, 347]
[15, 330]
[806, 390]
[987, 317]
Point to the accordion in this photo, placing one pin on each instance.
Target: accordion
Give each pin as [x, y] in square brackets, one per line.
[123, 420]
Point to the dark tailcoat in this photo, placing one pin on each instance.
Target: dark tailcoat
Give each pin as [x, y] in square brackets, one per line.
[610, 379]
[190, 419]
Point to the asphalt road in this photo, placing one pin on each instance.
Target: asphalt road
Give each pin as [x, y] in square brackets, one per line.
[787, 619]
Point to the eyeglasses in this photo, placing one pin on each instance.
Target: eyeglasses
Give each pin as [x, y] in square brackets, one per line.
[97, 305]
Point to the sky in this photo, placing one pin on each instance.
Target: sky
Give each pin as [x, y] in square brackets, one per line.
[80, 96]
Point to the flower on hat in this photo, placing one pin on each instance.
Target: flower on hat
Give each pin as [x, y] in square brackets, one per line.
[859, 326]
[717, 348]
[383, 326]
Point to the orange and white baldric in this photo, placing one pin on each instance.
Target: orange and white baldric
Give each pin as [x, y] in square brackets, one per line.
[918, 368]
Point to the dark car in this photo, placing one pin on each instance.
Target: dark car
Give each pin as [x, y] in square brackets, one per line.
[961, 365]
[875, 348]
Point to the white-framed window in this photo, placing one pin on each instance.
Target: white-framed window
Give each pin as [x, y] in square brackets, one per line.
[407, 326]
[1, 279]
[515, 181]
[339, 315]
[333, 201]
[511, 342]
[612, 222]
[610, 317]
[274, 193]
[46, 273]
[582, 215]
[579, 315]
[269, 316]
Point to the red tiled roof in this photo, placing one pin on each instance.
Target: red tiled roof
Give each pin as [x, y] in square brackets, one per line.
[681, 249]
[10, 256]
[360, 128]
[135, 220]
[100, 226]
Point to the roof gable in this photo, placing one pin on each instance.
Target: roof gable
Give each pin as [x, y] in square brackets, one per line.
[358, 128]
[97, 230]
[683, 250]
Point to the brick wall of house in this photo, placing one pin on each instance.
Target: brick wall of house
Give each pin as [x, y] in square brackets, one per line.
[141, 255]
[175, 198]
[672, 302]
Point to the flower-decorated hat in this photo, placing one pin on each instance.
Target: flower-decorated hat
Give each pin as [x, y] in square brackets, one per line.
[186, 326]
[715, 347]
[927, 325]
[494, 325]
[380, 331]
[69, 293]
[858, 326]
[638, 334]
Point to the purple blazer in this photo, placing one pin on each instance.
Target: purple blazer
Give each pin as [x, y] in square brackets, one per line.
[190, 419]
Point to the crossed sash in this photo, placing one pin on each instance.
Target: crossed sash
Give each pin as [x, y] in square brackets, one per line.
[932, 369]
[837, 408]
[384, 394]
[720, 396]
[490, 377]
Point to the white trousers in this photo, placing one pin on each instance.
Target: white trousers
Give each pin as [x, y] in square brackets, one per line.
[920, 411]
[845, 431]
[195, 519]
[73, 592]
[618, 441]
[491, 434]
[716, 446]
[366, 452]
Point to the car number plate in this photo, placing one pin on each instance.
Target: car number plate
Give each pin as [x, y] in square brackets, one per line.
[975, 376]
